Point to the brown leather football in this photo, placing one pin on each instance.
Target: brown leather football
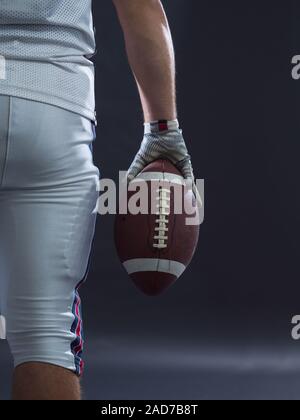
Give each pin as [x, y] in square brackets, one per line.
[156, 248]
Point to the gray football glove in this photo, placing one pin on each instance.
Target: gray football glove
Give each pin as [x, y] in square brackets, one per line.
[166, 145]
[169, 145]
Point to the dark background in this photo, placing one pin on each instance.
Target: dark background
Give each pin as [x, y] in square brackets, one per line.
[224, 330]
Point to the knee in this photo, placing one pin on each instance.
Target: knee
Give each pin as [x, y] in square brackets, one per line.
[54, 339]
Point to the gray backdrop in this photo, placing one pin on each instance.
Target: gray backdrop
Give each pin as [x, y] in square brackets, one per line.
[224, 330]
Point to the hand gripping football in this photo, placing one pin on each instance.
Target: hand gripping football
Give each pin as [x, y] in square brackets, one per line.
[156, 248]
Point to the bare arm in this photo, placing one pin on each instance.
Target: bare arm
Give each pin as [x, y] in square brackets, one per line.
[151, 55]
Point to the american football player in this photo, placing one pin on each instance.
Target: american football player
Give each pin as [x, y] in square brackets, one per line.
[48, 181]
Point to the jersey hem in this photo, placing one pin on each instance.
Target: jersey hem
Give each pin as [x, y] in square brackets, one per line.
[50, 100]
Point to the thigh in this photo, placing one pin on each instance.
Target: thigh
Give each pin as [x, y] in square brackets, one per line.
[47, 215]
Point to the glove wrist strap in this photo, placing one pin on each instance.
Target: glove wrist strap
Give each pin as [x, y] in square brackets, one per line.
[160, 126]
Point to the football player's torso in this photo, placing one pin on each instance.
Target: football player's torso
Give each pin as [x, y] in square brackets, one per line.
[46, 47]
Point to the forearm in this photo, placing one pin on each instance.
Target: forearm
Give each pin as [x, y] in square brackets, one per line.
[151, 55]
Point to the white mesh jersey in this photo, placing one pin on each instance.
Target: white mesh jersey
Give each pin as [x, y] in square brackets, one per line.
[46, 48]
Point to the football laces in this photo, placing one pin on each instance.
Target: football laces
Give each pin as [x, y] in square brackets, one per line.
[162, 221]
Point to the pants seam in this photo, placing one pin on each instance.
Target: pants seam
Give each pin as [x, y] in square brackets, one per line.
[7, 141]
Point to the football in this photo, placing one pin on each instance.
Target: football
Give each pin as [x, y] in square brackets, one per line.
[155, 242]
